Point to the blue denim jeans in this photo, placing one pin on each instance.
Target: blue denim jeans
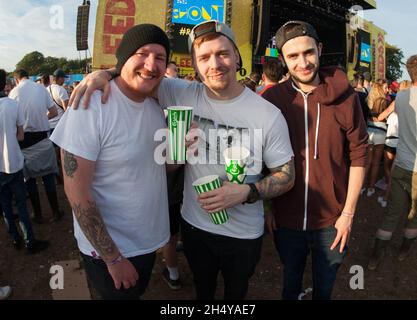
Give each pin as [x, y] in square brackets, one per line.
[293, 248]
[9, 184]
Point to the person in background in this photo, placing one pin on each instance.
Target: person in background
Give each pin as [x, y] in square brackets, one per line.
[40, 159]
[391, 141]
[272, 72]
[367, 81]
[59, 95]
[358, 85]
[172, 70]
[43, 79]
[11, 173]
[377, 130]
[402, 200]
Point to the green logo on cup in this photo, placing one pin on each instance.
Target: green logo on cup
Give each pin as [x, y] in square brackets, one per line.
[235, 159]
[174, 120]
[235, 173]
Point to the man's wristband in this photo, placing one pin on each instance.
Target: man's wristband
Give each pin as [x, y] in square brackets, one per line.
[347, 214]
[116, 260]
[253, 195]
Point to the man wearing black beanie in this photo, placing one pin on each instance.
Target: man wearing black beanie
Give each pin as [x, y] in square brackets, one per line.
[117, 191]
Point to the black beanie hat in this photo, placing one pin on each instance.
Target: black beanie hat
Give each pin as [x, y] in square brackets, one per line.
[137, 37]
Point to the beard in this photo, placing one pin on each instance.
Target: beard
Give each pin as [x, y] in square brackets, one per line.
[308, 79]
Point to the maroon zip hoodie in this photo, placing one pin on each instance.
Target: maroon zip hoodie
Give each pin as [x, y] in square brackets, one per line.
[328, 134]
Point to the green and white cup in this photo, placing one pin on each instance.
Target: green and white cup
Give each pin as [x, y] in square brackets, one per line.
[209, 183]
[235, 161]
[179, 122]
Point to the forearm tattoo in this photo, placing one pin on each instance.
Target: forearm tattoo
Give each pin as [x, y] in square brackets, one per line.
[92, 224]
[70, 164]
[278, 182]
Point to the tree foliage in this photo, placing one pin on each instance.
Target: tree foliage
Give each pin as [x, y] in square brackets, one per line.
[35, 63]
[393, 63]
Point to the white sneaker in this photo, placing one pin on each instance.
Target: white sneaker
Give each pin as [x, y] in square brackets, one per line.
[370, 192]
[5, 292]
[306, 294]
[382, 201]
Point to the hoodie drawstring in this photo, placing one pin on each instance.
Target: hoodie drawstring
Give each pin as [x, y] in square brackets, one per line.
[317, 132]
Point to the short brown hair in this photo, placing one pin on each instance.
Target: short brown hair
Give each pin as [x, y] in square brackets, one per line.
[206, 37]
[273, 69]
[411, 66]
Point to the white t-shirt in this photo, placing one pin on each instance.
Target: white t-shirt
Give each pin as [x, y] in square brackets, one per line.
[35, 102]
[11, 116]
[246, 120]
[129, 187]
[58, 94]
[406, 108]
[391, 139]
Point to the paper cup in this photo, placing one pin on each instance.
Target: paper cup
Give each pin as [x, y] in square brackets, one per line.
[235, 160]
[209, 183]
[179, 122]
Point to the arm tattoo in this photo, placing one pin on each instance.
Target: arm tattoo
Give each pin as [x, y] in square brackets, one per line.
[70, 164]
[92, 224]
[278, 182]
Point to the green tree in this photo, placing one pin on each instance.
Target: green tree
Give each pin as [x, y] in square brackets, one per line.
[35, 63]
[393, 56]
[31, 62]
[49, 66]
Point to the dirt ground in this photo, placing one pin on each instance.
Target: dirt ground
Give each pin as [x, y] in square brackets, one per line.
[29, 274]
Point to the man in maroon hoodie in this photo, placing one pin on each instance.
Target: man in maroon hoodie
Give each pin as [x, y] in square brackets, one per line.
[329, 139]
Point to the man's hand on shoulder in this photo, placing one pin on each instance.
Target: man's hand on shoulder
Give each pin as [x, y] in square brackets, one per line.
[98, 80]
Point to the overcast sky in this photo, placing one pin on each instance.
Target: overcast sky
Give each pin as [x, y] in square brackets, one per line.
[28, 25]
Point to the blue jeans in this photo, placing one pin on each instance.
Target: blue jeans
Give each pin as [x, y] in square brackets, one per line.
[293, 248]
[9, 184]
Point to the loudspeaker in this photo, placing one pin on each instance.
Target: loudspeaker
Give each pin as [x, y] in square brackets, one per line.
[82, 27]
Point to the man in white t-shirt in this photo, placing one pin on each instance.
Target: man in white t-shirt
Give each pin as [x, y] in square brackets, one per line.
[11, 177]
[233, 115]
[40, 159]
[59, 95]
[116, 189]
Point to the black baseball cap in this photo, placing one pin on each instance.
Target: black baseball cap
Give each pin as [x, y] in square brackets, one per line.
[59, 73]
[293, 29]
